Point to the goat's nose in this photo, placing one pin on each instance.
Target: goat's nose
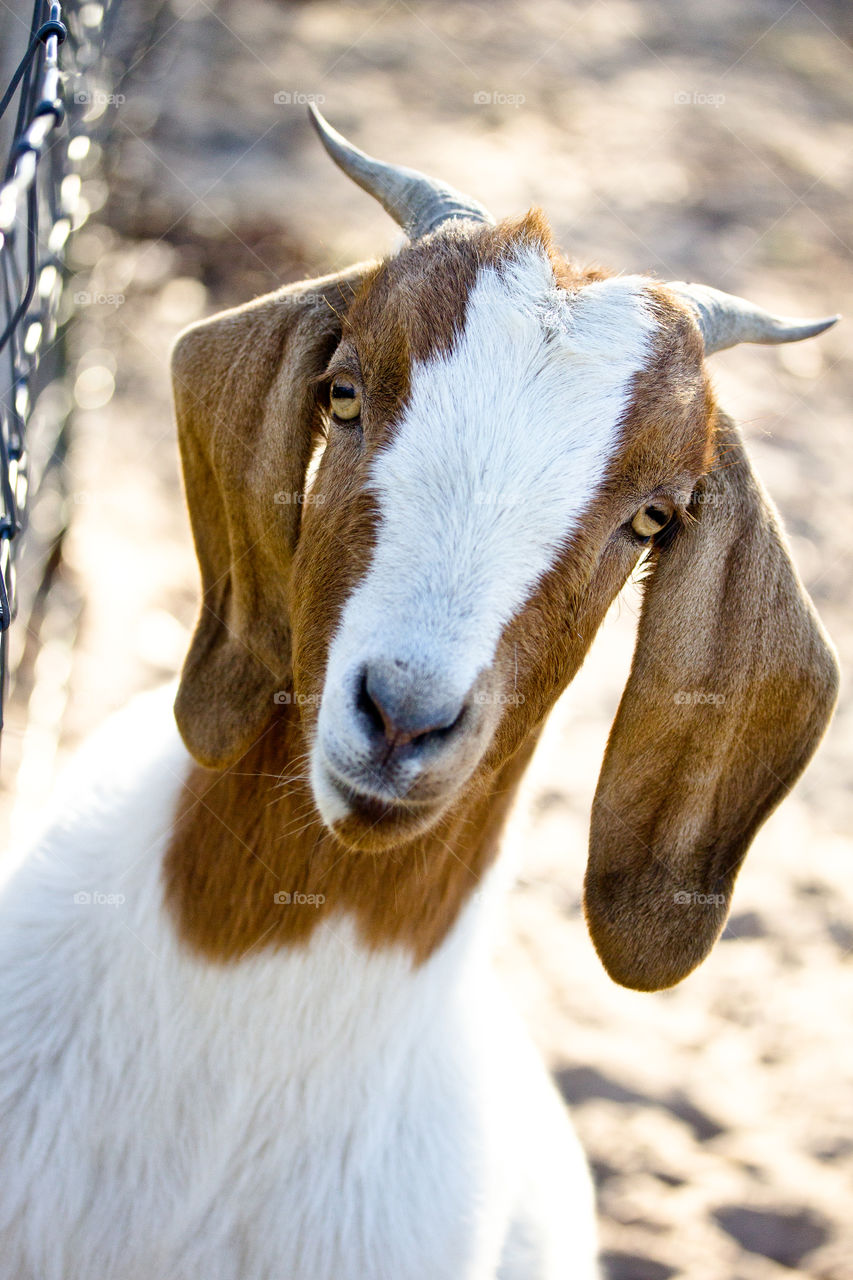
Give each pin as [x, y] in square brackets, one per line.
[402, 708]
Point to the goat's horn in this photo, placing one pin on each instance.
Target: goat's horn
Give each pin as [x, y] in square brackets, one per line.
[726, 320]
[417, 203]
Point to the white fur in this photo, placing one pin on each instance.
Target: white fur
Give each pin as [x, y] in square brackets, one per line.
[501, 449]
[325, 1113]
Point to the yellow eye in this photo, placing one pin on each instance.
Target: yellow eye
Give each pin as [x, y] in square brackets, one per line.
[652, 518]
[345, 399]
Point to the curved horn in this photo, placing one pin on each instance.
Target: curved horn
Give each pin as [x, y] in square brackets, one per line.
[726, 320]
[417, 203]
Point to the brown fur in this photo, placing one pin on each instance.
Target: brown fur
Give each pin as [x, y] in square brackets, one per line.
[247, 833]
[731, 689]
[683, 788]
[247, 418]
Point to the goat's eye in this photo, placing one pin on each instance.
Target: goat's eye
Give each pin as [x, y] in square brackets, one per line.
[652, 518]
[345, 399]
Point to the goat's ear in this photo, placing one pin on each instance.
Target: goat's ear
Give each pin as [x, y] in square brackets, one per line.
[247, 420]
[732, 685]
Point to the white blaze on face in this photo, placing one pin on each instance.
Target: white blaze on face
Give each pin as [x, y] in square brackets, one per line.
[501, 448]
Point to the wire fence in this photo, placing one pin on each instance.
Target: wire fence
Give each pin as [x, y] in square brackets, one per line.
[55, 96]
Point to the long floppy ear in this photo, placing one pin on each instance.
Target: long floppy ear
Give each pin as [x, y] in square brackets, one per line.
[732, 685]
[247, 420]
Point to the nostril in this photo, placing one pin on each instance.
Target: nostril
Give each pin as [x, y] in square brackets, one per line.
[400, 709]
[369, 708]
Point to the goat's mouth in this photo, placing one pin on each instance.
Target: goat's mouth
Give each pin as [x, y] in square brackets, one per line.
[365, 820]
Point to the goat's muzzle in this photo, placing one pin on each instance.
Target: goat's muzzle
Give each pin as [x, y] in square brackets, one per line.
[395, 745]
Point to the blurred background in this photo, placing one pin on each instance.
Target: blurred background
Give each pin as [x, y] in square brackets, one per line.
[694, 141]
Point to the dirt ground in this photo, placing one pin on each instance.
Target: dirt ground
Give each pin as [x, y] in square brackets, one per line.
[696, 141]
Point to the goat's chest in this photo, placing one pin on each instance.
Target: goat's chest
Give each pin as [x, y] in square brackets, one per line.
[325, 1112]
[315, 1116]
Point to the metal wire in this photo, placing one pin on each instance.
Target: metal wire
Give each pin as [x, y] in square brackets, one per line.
[58, 92]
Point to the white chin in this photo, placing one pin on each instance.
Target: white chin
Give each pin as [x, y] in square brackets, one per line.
[331, 805]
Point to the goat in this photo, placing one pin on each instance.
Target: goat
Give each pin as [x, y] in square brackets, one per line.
[248, 1026]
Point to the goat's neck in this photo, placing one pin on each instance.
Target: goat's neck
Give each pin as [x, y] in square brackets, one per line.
[249, 836]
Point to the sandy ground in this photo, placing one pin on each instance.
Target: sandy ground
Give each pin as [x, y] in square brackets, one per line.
[687, 139]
